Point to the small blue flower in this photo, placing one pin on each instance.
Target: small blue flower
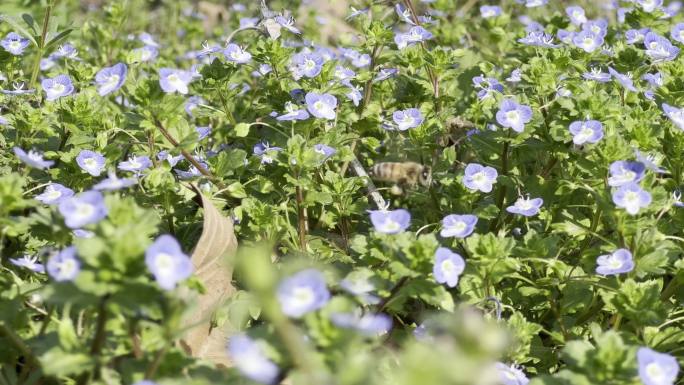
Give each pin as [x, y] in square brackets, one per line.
[354, 94]
[32, 158]
[618, 262]
[513, 115]
[675, 114]
[54, 194]
[624, 172]
[597, 75]
[83, 209]
[526, 207]
[487, 11]
[265, 152]
[459, 226]
[369, 324]
[57, 87]
[203, 131]
[538, 39]
[511, 375]
[288, 24]
[659, 48]
[409, 118]
[303, 293]
[415, 35]
[535, 3]
[30, 263]
[385, 73]
[576, 15]
[66, 51]
[325, 150]
[597, 27]
[249, 358]
[362, 60]
[650, 161]
[165, 155]
[487, 86]
[237, 54]
[358, 283]
[515, 77]
[631, 197]
[633, 36]
[404, 13]
[135, 163]
[18, 89]
[588, 41]
[174, 80]
[14, 43]
[167, 262]
[113, 183]
[145, 54]
[293, 113]
[655, 80]
[344, 73]
[677, 32]
[448, 266]
[390, 222]
[321, 105]
[656, 368]
[248, 22]
[110, 79]
[624, 80]
[64, 266]
[91, 162]
[479, 178]
[80, 233]
[649, 5]
[586, 131]
[306, 65]
[148, 39]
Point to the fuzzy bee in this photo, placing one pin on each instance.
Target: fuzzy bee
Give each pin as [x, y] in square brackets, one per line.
[407, 174]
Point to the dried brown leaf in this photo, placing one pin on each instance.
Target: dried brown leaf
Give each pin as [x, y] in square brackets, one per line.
[216, 242]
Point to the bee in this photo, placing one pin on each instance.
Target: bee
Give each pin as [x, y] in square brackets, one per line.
[407, 174]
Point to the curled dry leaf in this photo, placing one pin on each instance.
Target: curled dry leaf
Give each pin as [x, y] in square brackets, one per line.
[216, 242]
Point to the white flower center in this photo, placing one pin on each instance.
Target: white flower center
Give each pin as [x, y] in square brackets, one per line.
[90, 162]
[164, 263]
[319, 105]
[479, 177]
[58, 88]
[67, 268]
[585, 133]
[51, 193]
[391, 225]
[513, 116]
[14, 45]
[112, 80]
[655, 372]
[84, 210]
[614, 263]
[448, 266]
[459, 226]
[134, 163]
[303, 295]
[631, 198]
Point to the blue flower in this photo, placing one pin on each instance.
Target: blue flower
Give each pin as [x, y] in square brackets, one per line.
[597, 27]
[344, 73]
[325, 150]
[587, 40]
[515, 76]
[513, 115]
[618, 262]
[66, 51]
[404, 13]
[415, 35]
[293, 113]
[32, 158]
[659, 48]
[390, 222]
[265, 152]
[167, 262]
[174, 80]
[675, 114]
[478, 177]
[64, 266]
[148, 39]
[369, 324]
[487, 11]
[14, 43]
[459, 226]
[57, 87]
[633, 36]
[112, 183]
[54, 194]
[526, 207]
[677, 32]
[110, 79]
[91, 162]
[385, 73]
[237, 54]
[287, 23]
[649, 5]
[655, 80]
[135, 163]
[321, 105]
[18, 89]
[248, 22]
[409, 118]
[83, 209]
[145, 54]
[538, 39]
[650, 161]
[302, 293]
[358, 283]
[535, 3]
[511, 375]
[251, 361]
[202, 131]
[192, 103]
[624, 80]
[30, 263]
[624, 172]
[631, 197]
[576, 15]
[586, 131]
[447, 267]
[354, 94]
[306, 65]
[656, 368]
[596, 75]
[486, 86]
[165, 155]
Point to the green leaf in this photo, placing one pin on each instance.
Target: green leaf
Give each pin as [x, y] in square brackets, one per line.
[241, 130]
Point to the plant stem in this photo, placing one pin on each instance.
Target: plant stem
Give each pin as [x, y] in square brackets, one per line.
[154, 365]
[41, 44]
[502, 190]
[19, 344]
